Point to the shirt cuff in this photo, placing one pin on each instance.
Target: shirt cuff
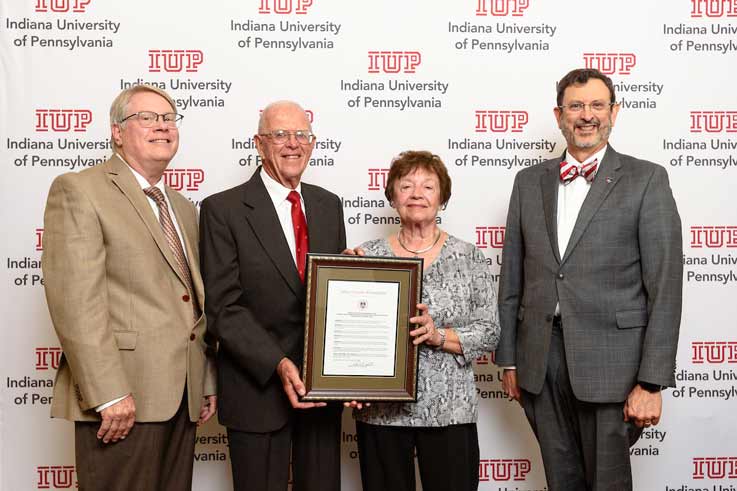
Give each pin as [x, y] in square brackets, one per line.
[108, 404]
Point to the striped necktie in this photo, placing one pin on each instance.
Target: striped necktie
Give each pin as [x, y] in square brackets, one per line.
[172, 238]
[569, 172]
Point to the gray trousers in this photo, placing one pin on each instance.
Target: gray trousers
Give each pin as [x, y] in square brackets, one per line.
[584, 446]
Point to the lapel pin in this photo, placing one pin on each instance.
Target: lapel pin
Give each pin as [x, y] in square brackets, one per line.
[609, 180]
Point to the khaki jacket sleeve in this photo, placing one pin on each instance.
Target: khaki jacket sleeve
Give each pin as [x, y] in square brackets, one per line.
[74, 268]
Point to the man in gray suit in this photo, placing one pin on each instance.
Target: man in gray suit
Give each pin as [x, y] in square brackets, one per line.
[590, 294]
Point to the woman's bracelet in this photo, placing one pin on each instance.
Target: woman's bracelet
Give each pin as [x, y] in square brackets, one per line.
[441, 331]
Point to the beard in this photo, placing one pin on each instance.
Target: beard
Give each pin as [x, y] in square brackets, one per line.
[601, 135]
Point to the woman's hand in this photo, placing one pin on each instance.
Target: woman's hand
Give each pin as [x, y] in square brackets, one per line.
[354, 252]
[356, 404]
[426, 331]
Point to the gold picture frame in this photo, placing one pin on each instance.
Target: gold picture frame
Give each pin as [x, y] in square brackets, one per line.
[357, 342]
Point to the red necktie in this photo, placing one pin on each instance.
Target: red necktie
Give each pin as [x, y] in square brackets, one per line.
[300, 232]
[569, 172]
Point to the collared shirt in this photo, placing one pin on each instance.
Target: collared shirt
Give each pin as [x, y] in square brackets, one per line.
[283, 207]
[571, 196]
[145, 184]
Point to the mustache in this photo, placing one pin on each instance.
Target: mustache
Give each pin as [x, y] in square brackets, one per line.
[582, 122]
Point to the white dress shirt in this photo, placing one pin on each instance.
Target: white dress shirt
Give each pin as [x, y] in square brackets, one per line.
[283, 207]
[571, 196]
[145, 184]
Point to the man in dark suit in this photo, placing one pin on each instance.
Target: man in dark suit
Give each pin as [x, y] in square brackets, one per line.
[590, 294]
[254, 239]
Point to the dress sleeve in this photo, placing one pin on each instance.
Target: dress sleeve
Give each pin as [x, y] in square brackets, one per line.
[479, 333]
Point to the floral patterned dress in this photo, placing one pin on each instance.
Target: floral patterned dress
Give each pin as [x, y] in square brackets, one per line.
[459, 291]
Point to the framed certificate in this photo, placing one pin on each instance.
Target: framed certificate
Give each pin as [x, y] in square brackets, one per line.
[357, 342]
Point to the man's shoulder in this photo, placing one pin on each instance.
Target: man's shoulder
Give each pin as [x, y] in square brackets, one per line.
[89, 178]
[319, 192]
[636, 161]
[226, 197]
[638, 166]
[178, 198]
[536, 170]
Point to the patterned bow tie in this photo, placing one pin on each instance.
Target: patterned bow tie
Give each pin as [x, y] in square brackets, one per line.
[569, 172]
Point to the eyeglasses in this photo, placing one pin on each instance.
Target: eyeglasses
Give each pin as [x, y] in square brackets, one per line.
[150, 118]
[280, 137]
[596, 106]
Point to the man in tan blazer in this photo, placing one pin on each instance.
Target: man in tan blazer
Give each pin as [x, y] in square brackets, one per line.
[125, 295]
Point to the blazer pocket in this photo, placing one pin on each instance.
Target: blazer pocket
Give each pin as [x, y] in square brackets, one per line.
[627, 319]
[126, 340]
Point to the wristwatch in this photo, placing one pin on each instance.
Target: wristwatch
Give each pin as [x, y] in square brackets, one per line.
[442, 333]
[651, 387]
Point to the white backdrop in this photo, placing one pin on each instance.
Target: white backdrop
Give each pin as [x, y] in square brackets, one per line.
[473, 81]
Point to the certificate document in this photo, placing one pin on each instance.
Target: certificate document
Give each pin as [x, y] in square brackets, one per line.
[361, 328]
[357, 342]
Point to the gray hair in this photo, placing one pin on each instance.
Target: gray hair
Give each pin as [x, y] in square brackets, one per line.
[119, 107]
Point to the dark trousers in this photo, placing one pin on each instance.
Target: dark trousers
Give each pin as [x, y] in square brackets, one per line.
[448, 457]
[260, 461]
[153, 457]
[584, 446]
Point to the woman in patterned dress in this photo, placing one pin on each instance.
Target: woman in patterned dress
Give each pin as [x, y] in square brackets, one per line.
[458, 322]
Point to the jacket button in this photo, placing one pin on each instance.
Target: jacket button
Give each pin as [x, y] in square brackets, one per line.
[185, 297]
[560, 276]
[192, 337]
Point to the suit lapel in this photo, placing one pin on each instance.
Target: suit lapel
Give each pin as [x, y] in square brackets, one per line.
[606, 178]
[317, 226]
[549, 188]
[123, 178]
[189, 235]
[262, 217]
